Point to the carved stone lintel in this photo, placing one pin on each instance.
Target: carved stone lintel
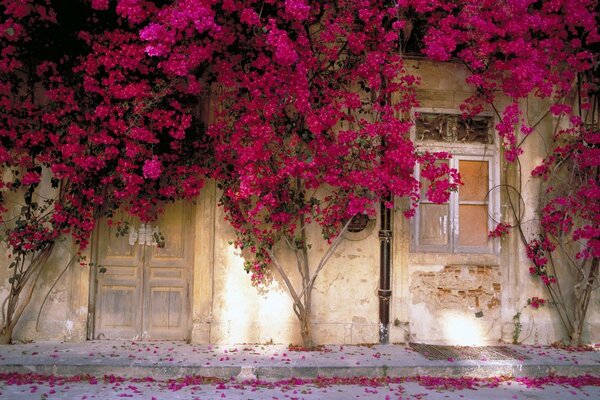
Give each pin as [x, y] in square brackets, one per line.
[453, 128]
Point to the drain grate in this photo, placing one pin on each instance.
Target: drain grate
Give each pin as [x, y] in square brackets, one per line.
[435, 352]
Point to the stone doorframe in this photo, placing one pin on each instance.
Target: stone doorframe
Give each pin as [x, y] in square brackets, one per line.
[204, 262]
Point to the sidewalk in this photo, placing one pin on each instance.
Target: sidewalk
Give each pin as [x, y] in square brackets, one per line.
[166, 360]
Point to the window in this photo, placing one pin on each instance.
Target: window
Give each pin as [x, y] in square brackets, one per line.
[462, 224]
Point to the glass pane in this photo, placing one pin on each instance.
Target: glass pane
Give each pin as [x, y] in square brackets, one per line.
[426, 183]
[474, 175]
[433, 224]
[473, 225]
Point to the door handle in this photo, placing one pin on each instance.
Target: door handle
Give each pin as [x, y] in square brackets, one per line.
[133, 235]
[144, 235]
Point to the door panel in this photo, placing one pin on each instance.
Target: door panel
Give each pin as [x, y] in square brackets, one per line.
[113, 250]
[166, 306]
[167, 311]
[118, 305]
[144, 292]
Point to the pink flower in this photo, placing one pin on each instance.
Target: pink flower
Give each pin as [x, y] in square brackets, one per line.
[152, 168]
[297, 9]
[501, 230]
[30, 178]
[536, 302]
[100, 4]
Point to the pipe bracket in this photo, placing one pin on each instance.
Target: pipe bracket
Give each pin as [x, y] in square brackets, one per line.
[385, 235]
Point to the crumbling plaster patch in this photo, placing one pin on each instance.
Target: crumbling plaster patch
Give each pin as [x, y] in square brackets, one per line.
[457, 287]
[457, 304]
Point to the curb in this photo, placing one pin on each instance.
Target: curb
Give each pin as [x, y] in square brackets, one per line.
[276, 373]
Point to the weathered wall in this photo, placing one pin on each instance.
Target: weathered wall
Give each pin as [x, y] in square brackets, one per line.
[437, 298]
[436, 295]
[62, 289]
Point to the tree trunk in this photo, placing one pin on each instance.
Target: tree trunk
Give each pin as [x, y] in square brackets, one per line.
[19, 300]
[303, 300]
[13, 313]
[305, 330]
[15, 310]
[575, 337]
[6, 334]
[582, 301]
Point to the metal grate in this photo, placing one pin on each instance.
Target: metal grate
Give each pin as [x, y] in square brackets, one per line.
[359, 223]
[487, 353]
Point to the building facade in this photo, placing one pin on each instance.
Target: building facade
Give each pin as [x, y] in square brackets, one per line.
[450, 282]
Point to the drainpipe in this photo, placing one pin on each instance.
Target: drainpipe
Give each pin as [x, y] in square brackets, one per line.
[385, 291]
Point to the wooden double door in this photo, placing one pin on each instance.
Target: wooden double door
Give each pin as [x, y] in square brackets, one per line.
[145, 291]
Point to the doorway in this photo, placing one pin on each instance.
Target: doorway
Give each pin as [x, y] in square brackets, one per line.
[144, 292]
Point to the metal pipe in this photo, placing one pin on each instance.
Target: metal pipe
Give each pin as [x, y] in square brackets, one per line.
[385, 291]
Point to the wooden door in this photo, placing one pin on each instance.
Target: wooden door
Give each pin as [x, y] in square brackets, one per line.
[119, 289]
[145, 291]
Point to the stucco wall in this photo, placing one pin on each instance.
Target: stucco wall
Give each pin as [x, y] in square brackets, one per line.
[542, 325]
[444, 297]
[344, 297]
[59, 305]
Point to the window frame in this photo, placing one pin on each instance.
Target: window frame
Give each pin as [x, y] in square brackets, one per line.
[460, 151]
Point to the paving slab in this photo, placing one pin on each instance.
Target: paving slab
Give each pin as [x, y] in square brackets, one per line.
[167, 360]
